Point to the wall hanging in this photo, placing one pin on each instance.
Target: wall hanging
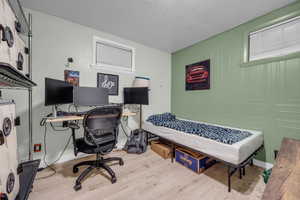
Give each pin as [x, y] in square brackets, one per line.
[197, 76]
[108, 81]
[72, 77]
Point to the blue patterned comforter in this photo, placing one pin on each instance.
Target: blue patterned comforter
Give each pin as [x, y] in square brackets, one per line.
[220, 134]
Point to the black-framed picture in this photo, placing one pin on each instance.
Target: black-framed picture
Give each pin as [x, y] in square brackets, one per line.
[197, 76]
[108, 81]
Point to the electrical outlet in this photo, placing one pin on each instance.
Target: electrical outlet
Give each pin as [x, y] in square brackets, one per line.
[37, 148]
[17, 121]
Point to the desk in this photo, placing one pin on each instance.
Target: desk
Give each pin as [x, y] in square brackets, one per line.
[73, 118]
[285, 178]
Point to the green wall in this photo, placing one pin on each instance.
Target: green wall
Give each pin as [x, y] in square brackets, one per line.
[262, 97]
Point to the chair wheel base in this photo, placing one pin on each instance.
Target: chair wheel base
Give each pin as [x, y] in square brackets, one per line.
[77, 187]
[75, 170]
[113, 180]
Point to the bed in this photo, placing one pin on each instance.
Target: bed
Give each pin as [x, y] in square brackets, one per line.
[236, 156]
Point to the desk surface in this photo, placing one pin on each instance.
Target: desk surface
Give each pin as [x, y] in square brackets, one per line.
[284, 182]
[72, 118]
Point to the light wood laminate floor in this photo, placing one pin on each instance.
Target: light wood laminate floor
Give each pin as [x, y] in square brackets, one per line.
[148, 176]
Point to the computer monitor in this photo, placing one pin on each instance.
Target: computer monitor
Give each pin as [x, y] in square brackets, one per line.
[57, 92]
[138, 95]
[90, 96]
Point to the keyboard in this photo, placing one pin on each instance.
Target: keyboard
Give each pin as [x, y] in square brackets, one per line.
[81, 113]
[63, 113]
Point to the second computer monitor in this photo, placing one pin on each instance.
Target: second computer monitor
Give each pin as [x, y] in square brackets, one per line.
[136, 95]
[90, 96]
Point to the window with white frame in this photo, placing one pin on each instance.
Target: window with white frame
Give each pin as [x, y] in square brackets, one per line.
[277, 40]
[113, 56]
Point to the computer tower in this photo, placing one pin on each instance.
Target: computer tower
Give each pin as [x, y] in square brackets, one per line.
[9, 178]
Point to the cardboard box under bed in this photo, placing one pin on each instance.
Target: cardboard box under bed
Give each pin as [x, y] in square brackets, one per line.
[161, 149]
[192, 160]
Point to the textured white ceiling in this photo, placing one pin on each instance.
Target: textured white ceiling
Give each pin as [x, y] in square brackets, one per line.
[168, 25]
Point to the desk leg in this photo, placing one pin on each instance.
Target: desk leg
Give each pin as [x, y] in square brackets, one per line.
[74, 141]
[173, 152]
[240, 172]
[229, 178]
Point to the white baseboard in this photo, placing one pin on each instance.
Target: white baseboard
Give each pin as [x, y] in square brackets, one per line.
[262, 164]
[68, 156]
[71, 156]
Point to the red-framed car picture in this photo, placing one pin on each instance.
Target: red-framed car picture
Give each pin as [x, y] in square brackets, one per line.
[197, 76]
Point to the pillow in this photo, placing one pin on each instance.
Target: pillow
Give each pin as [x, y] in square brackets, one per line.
[161, 118]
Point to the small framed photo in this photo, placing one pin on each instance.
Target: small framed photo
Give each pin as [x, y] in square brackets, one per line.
[110, 82]
[72, 77]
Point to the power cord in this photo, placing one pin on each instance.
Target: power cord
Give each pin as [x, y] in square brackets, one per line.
[125, 119]
[43, 121]
[72, 105]
[55, 128]
[48, 165]
[124, 130]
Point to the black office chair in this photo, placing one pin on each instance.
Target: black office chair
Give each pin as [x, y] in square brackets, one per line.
[100, 137]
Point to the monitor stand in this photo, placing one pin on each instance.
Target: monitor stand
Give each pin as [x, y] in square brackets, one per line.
[141, 116]
[54, 111]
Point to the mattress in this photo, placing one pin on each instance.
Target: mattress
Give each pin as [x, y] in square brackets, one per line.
[235, 153]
